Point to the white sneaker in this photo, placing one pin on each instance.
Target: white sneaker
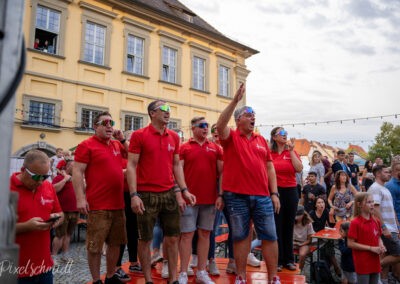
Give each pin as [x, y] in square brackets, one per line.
[202, 277]
[190, 271]
[213, 268]
[231, 268]
[252, 260]
[276, 280]
[183, 278]
[164, 270]
[193, 262]
[240, 280]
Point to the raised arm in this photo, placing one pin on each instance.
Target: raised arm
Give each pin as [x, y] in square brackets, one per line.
[222, 123]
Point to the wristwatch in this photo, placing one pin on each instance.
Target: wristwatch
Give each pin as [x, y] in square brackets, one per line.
[275, 193]
[133, 194]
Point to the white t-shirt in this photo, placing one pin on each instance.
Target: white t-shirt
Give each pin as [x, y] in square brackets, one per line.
[383, 198]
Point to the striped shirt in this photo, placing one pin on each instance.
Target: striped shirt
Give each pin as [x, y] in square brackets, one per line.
[383, 198]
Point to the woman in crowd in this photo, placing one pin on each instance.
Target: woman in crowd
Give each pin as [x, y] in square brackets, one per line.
[367, 176]
[341, 197]
[287, 163]
[317, 166]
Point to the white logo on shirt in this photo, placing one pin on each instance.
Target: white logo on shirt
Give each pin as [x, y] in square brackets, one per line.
[286, 158]
[44, 201]
[260, 147]
[170, 147]
[116, 152]
[210, 149]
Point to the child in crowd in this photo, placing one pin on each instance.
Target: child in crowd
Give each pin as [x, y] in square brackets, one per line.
[349, 275]
[364, 238]
[302, 233]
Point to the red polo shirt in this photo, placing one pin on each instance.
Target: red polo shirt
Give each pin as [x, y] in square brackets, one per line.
[245, 164]
[365, 232]
[104, 177]
[285, 172]
[155, 167]
[34, 253]
[200, 169]
[66, 196]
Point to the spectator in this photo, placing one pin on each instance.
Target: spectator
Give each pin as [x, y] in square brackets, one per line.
[311, 191]
[66, 196]
[54, 160]
[286, 162]
[249, 184]
[328, 173]
[364, 239]
[302, 232]
[98, 162]
[367, 178]
[202, 163]
[37, 211]
[153, 163]
[341, 197]
[354, 171]
[340, 163]
[394, 186]
[317, 167]
[384, 211]
[349, 275]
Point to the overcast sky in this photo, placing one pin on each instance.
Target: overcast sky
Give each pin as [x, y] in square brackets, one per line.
[318, 61]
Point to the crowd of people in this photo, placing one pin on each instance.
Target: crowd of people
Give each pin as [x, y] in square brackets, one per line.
[164, 201]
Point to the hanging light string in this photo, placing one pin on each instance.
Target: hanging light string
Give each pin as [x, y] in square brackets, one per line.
[328, 121]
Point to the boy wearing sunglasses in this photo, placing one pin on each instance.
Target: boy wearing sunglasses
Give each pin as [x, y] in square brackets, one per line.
[152, 171]
[249, 185]
[38, 210]
[98, 161]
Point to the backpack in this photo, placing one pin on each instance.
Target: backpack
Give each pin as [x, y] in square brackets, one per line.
[321, 273]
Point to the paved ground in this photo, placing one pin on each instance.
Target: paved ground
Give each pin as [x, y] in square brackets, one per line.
[77, 272]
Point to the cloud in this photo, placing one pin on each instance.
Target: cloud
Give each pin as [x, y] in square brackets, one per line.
[359, 49]
[316, 21]
[366, 9]
[388, 69]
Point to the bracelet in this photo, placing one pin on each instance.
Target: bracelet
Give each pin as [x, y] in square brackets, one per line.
[184, 189]
[123, 141]
[275, 193]
[133, 194]
[220, 194]
[177, 190]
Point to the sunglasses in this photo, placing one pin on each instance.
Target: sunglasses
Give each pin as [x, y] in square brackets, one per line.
[201, 125]
[37, 177]
[248, 110]
[282, 132]
[164, 108]
[106, 122]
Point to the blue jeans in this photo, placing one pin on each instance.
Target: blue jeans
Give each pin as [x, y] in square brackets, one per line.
[44, 278]
[242, 208]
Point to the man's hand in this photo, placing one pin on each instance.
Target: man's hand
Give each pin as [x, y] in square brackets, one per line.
[117, 134]
[181, 202]
[276, 202]
[137, 205]
[219, 203]
[37, 224]
[83, 206]
[239, 93]
[189, 197]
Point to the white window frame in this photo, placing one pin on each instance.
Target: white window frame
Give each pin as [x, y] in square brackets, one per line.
[172, 42]
[169, 64]
[27, 99]
[124, 114]
[79, 112]
[95, 45]
[135, 55]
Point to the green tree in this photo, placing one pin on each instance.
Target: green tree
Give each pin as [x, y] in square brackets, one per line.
[387, 143]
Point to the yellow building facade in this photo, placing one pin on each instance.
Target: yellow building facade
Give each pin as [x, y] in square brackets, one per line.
[84, 57]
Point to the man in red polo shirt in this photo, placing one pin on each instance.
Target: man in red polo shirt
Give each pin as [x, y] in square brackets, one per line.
[249, 185]
[202, 165]
[66, 196]
[153, 163]
[38, 208]
[98, 162]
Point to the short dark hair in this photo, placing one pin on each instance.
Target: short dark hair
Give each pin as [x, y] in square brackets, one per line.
[341, 152]
[351, 153]
[345, 226]
[196, 119]
[97, 118]
[152, 106]
[377, 169]
[312, 173]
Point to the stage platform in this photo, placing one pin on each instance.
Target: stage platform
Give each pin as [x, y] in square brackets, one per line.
[255, 275]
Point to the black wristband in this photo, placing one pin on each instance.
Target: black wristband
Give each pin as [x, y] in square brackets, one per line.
[220, 194]
[123, 141]
[275, 193]
[133, 194]
[184, 189]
